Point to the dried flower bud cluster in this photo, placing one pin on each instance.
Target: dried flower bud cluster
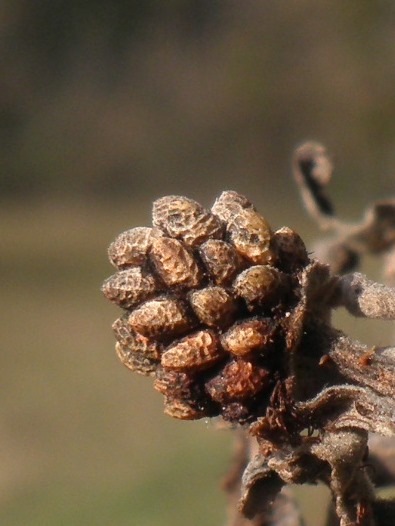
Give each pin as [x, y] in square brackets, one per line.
[206, 297]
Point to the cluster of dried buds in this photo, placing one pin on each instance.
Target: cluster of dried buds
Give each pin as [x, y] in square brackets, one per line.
[207, 299]
[233, 319]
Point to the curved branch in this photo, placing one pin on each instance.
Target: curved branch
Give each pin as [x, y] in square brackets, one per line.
[312, 170]
[365, 298]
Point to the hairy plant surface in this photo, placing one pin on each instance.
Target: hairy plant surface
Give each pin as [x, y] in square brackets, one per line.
[232, 319]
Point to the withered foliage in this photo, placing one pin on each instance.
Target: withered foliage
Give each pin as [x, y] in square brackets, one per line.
[234, 320]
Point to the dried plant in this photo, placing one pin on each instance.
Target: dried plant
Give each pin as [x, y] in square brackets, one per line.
[233, 320]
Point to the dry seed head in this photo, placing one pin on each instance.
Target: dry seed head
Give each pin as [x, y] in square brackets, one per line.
[214, 306]
[185, 219]
[250, 336]
[194, 352]
[161, 318]
[221, 260]
[261, 286]
[174, 263]
[187, 286]
[136, 361]
[131, 247]
[129, 287]
[237, 381]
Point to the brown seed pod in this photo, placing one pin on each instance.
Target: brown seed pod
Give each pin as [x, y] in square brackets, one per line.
[136, 361]
[228, 204]
[221, 260]
[195, 352]
[236, 412]
[173, 384]
[178, 408]
[131, 247]
[238, 380]
[129, 287]
[185, 219]
[214, 306]
[174, 263]
[261, 285]
[292, 251]
[254, 335]
[252, 236]
[161, 318]
[134, 342]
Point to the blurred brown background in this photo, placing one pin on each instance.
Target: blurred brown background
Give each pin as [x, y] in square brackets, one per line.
[104, 106]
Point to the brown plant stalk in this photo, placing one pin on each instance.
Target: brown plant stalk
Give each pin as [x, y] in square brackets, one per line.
[233, 320]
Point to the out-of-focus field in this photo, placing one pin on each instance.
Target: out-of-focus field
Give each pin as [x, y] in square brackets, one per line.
[83, 440]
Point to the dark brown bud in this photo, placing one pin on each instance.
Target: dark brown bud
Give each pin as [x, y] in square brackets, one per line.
[292, 251]
[136, 361]
[173, 384]
[236, 412]
[221, 260]
[261, 285]
[174, 263]
[185, 219]
[196, 351]
[129, 287]
[254, 335]
[134, 342]
[214, 306]
[161, 318]
[238, 380]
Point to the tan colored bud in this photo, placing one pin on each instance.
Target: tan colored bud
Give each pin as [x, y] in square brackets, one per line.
[174, 263]
[254, 335]
[214, 306]
[261, 285]
[221, 260]
[161, 318]
[129, 287]
[131, 247]
[195, 352]
[238, 380]
[251, 235]
[228, 204]
[177, 408]
[186, 219]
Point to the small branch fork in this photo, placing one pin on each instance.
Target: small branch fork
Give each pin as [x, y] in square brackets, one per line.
[338, 391]
[375, 233]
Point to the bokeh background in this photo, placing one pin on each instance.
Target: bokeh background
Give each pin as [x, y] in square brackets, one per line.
[105, 106]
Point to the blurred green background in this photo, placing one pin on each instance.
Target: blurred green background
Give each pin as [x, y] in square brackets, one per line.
[104, 106]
